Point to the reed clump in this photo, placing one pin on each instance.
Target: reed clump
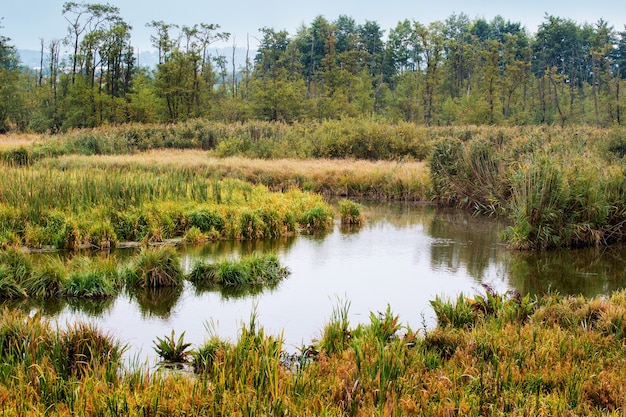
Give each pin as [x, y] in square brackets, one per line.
[350, 213]
[80, 277]
[155, 267]
[255, 269]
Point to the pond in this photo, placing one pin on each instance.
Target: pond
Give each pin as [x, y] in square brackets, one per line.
[403, 257]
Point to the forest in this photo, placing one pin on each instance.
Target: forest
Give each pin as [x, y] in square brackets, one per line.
[454, 72]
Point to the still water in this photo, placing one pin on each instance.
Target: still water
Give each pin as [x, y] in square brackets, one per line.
[404, 256]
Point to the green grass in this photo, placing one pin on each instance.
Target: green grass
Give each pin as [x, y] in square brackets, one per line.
[155, 267]
[249, 270]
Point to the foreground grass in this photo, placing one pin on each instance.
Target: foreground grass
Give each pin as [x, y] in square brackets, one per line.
[489, 355]
[151, 268]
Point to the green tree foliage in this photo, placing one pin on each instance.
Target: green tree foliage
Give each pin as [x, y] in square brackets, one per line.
[456, 71]
[9, 83]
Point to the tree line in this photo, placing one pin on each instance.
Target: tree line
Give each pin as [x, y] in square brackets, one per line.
[456, 71]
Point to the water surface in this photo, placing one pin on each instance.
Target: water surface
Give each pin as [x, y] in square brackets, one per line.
[404, 257]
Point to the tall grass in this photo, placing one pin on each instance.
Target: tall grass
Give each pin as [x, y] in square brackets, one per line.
[253, 269]
[155, 267]
[98, 207]
[564, 358]
[562, 189]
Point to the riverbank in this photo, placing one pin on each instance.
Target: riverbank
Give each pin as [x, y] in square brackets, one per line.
[490, 354]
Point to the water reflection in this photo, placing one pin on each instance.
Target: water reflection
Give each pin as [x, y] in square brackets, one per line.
[155, 302]
[590, 272]
[403, 256]
[91, 307]
[233, 292]
[461, 241]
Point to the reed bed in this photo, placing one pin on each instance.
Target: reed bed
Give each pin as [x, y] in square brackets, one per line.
[556, 190]
[397, 180]
[154, 275]
[508, 355]
[71, 207]
[249, 270]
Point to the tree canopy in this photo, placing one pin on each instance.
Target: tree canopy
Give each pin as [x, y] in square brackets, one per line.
[456, 71]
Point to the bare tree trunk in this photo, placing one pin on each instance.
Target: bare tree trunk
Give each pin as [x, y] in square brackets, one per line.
[41, 63]
[234, 92]
[247, 65]
[619, 117]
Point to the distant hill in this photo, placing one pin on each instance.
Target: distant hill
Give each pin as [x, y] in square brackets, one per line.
[149, 59]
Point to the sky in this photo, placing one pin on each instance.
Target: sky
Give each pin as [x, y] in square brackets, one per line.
[27, 22]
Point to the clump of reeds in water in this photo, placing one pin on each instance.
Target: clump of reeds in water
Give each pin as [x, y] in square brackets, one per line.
[351, 213]
[249, 270]
[82, 277]
[155, 267]
[92, 277]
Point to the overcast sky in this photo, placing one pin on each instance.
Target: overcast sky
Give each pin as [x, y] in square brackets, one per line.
[26, 22]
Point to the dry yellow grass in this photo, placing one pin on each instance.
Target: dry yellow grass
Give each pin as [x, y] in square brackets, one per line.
[12, 140]
[203, 159]
[408, 179]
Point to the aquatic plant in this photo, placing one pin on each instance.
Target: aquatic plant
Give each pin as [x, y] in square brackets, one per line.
[48, 279]
[336, 333]
[316, 218]
[255, 269]
[172, 350]
[209, 353]
[155, 267]
[350, 213]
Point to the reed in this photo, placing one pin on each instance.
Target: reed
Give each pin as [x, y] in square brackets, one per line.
[98, 208]
[91, 277]
[155, 267]
[250, 270]
[350, 213]
[49, 279]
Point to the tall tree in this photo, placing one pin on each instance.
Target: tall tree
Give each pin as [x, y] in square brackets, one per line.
[84, 18]
[9, 73]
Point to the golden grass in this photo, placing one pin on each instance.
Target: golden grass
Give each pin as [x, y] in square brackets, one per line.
[167, 158]
[13, 140]
[564, 356]
[389, 179]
